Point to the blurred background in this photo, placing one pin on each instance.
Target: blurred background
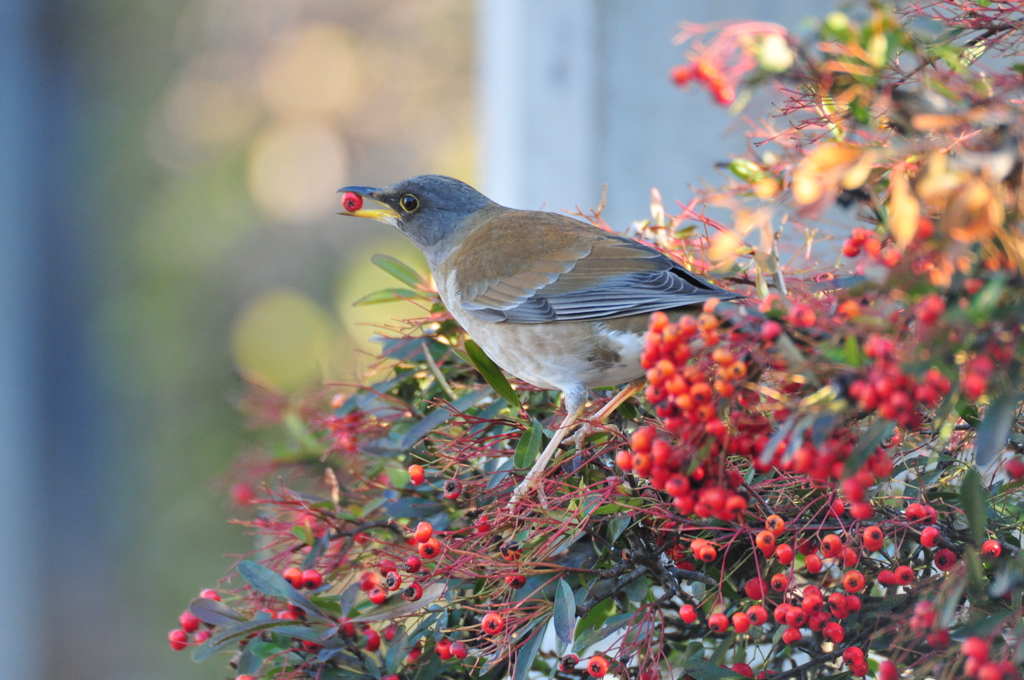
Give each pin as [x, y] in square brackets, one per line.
[167, 226]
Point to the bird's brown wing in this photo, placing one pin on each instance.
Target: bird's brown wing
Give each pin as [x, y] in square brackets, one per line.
[564, 269]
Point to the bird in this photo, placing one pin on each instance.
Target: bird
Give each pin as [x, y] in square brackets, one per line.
[559, 303]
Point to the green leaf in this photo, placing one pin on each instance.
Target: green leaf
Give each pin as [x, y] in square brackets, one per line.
[636, 590]
[398, 649]
[400, 607]
[528, 446]
[399, 270]
[527, 653]
[208, 649]
[244, 628]
[592, 637]
[214, 612]
[492, 374]
[348, 598]
[968, 411]
[565, 612]
[723, 648]
[702, 669]
[985, 302]
[273, 584]
[596, 617]
[617, 526]
[995, 427]
[867, 445]
[974, 501]
[439, 416]
[390, 295]
[249, 662]
[852, 353]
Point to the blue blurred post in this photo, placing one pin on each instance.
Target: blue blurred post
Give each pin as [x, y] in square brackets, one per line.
[21, 356]
[573, 95]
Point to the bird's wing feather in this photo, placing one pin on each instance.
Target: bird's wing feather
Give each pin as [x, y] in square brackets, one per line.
[565, 269]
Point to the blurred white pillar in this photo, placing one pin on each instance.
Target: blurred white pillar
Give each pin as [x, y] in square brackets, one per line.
[21, 366]
[574, 94]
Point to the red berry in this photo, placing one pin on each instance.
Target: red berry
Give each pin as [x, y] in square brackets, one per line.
[444, 649]
[178, 639]
[294, 576]
[417, 475]
[833, 632]
[975, 647]
[372, 640]
[459, 649]
[393, 581]
[989, 548]
[515, 582]
[813, 564]
[189, 622]
[492, 623]
[1014, 468]
[740, 622]
[886, 577]
[887, 670]
[378, 595]
[243, 676]
[718, 622]
[784, 554]
[757, 615]
[945, 559]
[903, 575]
[351, 202]
[424, 530]
[568, 663]
[779, 582]
[413, 592]
[791, 635]
[930, 536]
[853, 581]
[201, 636]
[597, 666]
[770, 330]
[430, 549]
[312, 579]
[413, 564]
[687, 613]
[452, 489]
[210, 594]
[755, 588]
[743, 669]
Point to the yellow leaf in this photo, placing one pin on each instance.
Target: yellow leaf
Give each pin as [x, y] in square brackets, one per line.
[904, 209]
[820, 172]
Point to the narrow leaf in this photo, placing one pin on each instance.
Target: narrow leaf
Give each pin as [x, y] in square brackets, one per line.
[439, 416]
[701, 669]
[528, 446]
[242, 629]
[492, 374]
[565, 612]
[867, 445]
[348, 598]
[389, 295]
[398, 649]
[273, 584]
[214, 612]
[527, 653]
[399, 270]
[974, 501]
[995, 428]
[400, 607]
[592, 637]
[249, 663]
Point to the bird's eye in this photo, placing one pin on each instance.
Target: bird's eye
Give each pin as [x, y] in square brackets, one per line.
[409, 203]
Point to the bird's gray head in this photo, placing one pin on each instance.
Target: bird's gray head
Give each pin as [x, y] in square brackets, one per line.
[425, 208]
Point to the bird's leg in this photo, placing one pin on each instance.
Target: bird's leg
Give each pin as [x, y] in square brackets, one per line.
[587, 426]
[574, 400]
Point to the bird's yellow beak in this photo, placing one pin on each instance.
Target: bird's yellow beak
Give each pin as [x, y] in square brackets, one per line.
[381, 214]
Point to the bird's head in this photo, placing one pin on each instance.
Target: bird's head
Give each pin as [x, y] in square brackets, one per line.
[426, 208]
